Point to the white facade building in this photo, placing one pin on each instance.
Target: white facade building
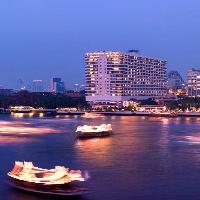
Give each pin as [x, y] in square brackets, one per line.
[118, 76]
[193, 77]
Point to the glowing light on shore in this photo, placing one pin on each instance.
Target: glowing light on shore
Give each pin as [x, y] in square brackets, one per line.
[41, 115]
[31, 114]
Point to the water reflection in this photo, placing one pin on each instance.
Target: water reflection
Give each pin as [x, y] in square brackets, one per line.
[141, 160]
[17, 115]
[15, 194]
[21, 115]
[41, 115]
[97, 148]
[13, 139]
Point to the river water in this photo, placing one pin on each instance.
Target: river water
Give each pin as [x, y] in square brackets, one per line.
[147, 158]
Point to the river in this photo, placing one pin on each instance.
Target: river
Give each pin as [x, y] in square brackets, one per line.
[147, 158]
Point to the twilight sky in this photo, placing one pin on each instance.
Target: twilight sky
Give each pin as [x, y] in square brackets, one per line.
[44, 38]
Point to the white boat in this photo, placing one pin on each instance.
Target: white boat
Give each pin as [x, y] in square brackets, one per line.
[86, 131]
[58, 181]
[21, 109]
[92, 115]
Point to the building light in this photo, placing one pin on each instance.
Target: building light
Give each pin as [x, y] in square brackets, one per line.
[135, 76]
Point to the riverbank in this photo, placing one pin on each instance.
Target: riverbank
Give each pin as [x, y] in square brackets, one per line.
[55, 112]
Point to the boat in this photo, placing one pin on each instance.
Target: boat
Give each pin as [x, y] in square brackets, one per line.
[68, 111]
[188, 139]
[57, 181]
[21, 109]
[86, 131]
[92, 115]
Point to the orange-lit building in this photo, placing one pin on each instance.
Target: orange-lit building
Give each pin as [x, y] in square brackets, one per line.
[120, 76]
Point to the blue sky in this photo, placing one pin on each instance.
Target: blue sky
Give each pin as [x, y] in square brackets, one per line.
[44, 38]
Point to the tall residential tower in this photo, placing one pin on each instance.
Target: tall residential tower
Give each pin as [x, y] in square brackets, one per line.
[193, 77]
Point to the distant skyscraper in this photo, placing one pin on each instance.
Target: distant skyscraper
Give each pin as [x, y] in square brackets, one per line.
[20, 85]
[76, 87]
[57, 85]
[82, 87]
[37, 86]
[193, 77]
[119, 76]
[174, 80]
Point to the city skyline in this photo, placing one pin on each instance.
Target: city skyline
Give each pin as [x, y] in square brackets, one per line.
[21, 84]
[99, 99]
[46, 83]
[40, 40]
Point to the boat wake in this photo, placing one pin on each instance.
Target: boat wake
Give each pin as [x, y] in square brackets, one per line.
[187, 139]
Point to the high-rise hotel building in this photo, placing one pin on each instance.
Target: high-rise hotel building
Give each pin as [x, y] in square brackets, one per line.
[193, 77]
[120, 76]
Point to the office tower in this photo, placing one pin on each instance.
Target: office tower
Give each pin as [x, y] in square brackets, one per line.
[21, 85]
[193, 77]
[37, 86]
[57, 85]
[119, 76]
[76, 87]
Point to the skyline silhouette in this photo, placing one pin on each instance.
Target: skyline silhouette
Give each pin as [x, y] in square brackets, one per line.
[44, 39]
